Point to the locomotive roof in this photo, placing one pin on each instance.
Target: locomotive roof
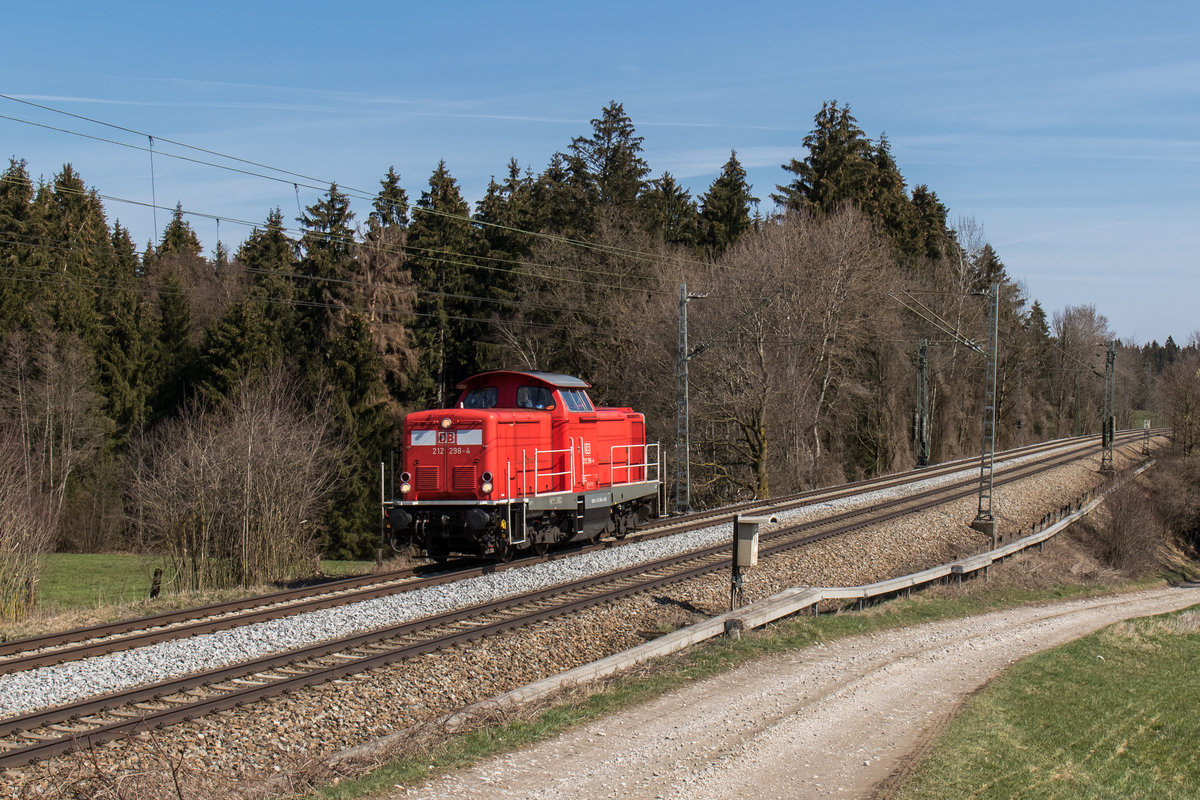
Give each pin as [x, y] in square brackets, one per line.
[556, 379]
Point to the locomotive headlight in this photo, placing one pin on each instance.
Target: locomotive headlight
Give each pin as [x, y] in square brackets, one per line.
[405, 488]
[487, 483]
[405, 483]
[447, 422]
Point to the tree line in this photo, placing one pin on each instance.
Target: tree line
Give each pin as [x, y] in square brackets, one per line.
[143, 390]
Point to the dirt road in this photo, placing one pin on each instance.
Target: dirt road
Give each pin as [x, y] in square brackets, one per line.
[834, 720]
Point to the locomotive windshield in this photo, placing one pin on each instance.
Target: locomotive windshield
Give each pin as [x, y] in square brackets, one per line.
[576, 400]
[483, 397]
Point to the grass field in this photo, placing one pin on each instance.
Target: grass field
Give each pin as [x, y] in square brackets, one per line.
[71, 581]
[77, 580]
[1111, 715]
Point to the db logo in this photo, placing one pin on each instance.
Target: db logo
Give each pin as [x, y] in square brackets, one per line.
[446, 437]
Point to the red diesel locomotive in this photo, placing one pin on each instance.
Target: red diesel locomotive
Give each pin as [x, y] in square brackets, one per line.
[523, 461]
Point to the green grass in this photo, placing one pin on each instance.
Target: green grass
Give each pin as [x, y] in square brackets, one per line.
[346, 569]
[73, 581]
[79, 580]
[669, 673]
[1111, 715]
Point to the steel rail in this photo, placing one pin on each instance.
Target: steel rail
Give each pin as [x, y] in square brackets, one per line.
[711, 559]
[55, 648]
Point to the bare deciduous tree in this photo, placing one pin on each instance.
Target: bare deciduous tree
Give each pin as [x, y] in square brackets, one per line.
[1133, 536]
[1180, 392]
[28, 522]
[1080, 333]
[787, 349]
[233, 496]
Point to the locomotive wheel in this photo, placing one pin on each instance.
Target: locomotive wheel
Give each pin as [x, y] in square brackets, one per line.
[541, 548]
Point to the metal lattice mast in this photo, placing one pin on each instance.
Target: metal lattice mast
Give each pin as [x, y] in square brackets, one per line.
[985, 518]
[1108, 430]
[683, 438]
[922, 426]
[683, 488]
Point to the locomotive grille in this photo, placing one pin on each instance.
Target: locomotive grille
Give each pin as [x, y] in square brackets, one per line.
[427, 477]
[464, 478]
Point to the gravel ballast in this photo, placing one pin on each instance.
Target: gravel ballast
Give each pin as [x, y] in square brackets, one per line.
[32, 690]
[254, 741]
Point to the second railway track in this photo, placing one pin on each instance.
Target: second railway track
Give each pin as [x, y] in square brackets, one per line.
[57, 647]
[42, 734]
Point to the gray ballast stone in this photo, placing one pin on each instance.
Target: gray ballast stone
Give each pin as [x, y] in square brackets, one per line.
[45, 687]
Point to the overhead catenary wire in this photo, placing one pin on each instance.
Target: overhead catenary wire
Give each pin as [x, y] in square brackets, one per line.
[469, 259]
[47, 277]
[927, 314]
[94, 281]
[321, 184]
[153, 189]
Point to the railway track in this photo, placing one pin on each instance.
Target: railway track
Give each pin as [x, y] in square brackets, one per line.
[58, 647]
[43, 734]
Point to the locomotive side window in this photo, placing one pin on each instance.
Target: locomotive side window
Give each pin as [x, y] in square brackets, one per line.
[534, 397]
[483, 397]
[577, 400]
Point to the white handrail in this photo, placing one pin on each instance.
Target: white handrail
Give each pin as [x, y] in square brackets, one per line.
[539, 474]
[650, 456]
[629, 466]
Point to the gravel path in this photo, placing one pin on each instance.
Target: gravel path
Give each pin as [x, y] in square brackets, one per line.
[831, 721]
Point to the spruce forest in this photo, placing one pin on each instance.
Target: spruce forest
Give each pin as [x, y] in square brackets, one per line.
[230, 410]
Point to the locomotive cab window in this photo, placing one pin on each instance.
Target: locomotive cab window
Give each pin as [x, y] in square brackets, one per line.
[576, 400]
[483, 397]
[534, 397]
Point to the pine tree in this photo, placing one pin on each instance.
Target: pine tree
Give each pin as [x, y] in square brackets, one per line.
[725, 207]
[446, 326]
[386, 294]
[361, 415]
[258, 332]
[178, 237]
[839, 167]
[390, 208]
[125, 352]
[987, 268]
[670, 213]
[340, 363]
[75, 216]
[234, 347]
[17, 246]
[609, 162]
[176, 359]
[560, 201]
[323, 271]
[887, 203]
[505, 213]
[268, 257]
[931, 233]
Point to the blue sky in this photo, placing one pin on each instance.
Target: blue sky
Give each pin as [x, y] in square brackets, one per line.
[1069, 131]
